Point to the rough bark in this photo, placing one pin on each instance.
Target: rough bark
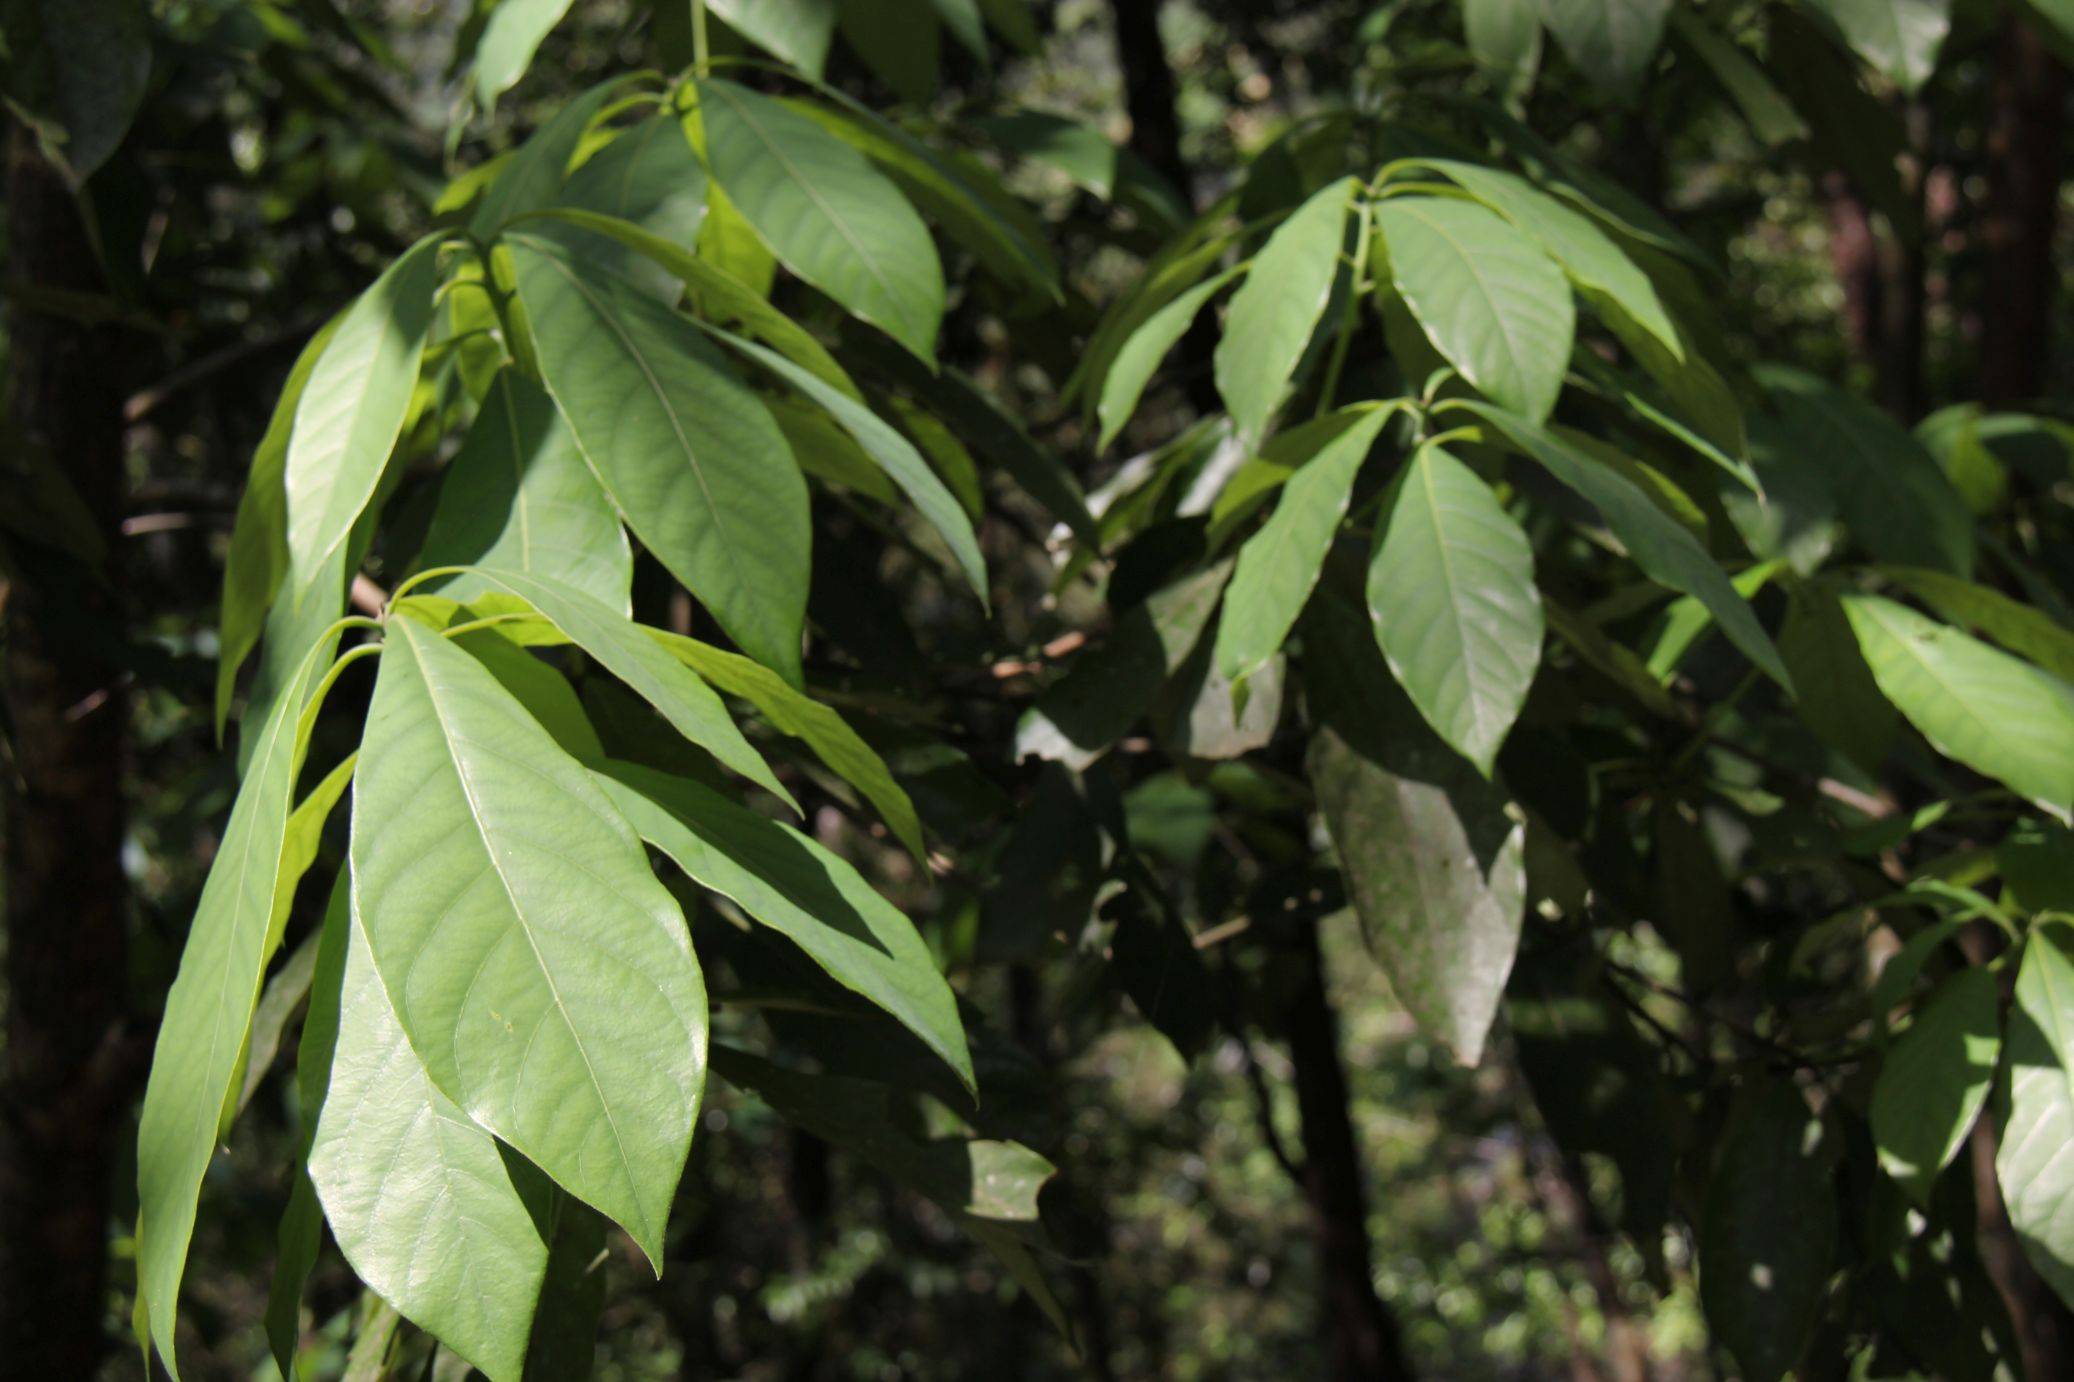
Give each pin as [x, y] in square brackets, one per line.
[1365, 1344]
[69, 1060]
[2025, 146]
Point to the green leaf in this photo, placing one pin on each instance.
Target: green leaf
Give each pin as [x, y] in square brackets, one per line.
[893, 452]
[539, 970]
[982, 1179]
[1613, 42]
[648, 177]
[1078, 717]
[508, 43]
[1433, 854]
[1897, 38]
[1491, 302]
[419, 1197]
[1143, 349]
[519, 496]
[197, 1059]
[899, 41]
[719, 295]
[788, 882]
[814, 724]
[1588, 255]
[1765, 109]
[1278, 566]
[1268, 327]
[1888, 488]
[1934, 1081]
[1768, 1232]
[352, 409]
[827, 214]
[964, 197]
[693, 461]
[1833, 687]
[1165, 277]
[2027, 632]
[627, 651]
[1451, 597]
[76, 72]
[1665, 552]
[798, 31]
[1994, 713]
[532, 177]
[1505, 39]
[2037, 1107]
[258, 556]
[1090, 159]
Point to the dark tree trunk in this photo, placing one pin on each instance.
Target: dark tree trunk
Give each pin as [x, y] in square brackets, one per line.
[2026, 131]
[69, 1061]
[1365, 1342]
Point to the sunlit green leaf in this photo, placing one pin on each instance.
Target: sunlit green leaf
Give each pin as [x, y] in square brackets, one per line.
[1268, 326]
[1935, 1080]
[2037, 1107]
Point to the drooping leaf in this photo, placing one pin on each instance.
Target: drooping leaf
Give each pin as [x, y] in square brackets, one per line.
[788, 882]
[1590, 257]
[2036, 1106]
[1505, 38]
[629, 652]
[1279, 565]
[1139, 357]
[893, 453]
[1888, 489]
[352, 409]
[258, 557]
[1833, 687]
[1898, 38]
[539, 970]
[1432, 852]
[1452, 599]
[421, 1200]
[201, 1039]
[1269, 324]
[1077, 719]
[1613, 42]
[1934, 1081]
[508, 43]
[1490, 300]
[693, 461]
[519, 496]
[1768, 1232]
[1665, 552]
[825, 212]
[814, 724]
[1995, 713]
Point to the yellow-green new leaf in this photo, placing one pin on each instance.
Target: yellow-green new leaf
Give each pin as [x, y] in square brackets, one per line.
[1997, 714]
[420, 1200]
[200, 1050]
[791, 884]
[1278, 566]
[1452, 599]
[1490, 300]
[827, 214]
[352, 409]
[1935, 1080]
[519, 496]
[694, 462]
[1272, 315]
[540, 971]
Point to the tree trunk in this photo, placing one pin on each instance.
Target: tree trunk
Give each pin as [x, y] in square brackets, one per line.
[69, 1061]
[1365, 1342]
[2026, 129]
